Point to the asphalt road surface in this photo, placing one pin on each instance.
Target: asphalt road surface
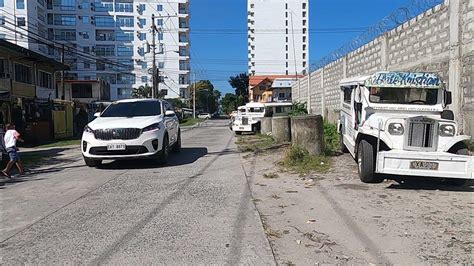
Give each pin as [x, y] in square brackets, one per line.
[198, 209]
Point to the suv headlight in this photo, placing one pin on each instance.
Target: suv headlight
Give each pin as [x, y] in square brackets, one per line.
[447, 130]
[87, 129]
[396, 129]
[151, 128]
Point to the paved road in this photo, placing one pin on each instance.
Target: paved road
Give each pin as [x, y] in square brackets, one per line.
[198, 209]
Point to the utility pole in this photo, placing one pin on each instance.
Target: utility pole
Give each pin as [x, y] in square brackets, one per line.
[194, 95]
[63, 88]
[153, 44]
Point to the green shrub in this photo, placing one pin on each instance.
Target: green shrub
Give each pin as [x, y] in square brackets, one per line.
[331, 138]
[298, 109]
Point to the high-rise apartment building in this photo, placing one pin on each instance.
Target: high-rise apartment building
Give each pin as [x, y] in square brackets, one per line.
[106, 39]
[278, 37]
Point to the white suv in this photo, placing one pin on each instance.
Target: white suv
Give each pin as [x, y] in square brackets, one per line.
[132, 129]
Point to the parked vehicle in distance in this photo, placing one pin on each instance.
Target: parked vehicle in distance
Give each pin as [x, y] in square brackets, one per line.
[249, 117]
[132, 129]
[397, 123]
[204, 115]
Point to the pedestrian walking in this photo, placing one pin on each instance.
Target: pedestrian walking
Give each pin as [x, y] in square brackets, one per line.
[10, 138]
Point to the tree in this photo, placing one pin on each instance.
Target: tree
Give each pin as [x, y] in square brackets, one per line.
[230, 102]
[241, 85]
[207, 98]
[142, 92]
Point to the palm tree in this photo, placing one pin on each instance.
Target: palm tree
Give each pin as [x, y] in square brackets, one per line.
[142, 92]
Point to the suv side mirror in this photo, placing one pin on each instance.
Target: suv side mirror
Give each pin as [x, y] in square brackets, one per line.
[170, 113]
[448, 97]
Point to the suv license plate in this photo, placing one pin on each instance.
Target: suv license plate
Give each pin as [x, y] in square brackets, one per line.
[116, 147]
[424, 165]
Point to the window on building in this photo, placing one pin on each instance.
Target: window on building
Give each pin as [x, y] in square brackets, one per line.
[304, 47]
[41, 15]
[81, 90]
[104, 6]
[304, 22]
[85, 4]
[142, 36]
[304, 14]
[304, 38]
[124, 7]
[125, 79]
[125, 21]
[85, 35]
[3, 36]
[65, 35]
[124, 92]
[304, 5]
[159, 22]
[45, 80]
[2, 3]
[65, 5]
[304, 30]
[286, 6]
[104, 21]
[304, 64]
[161, 65]
[86, 49]
[286, 47]
[2, 20]
[144, 79]
[142, 7]
[105, 50]
[144, 65]
[159, 7]
[124, 35]
[105, 35]
[142, 22]
[87, 65]
[20, 4]
[65, 20]
[304, 56]
[160, 36]
[20, 21]
[86, 20]
[124, 50]
[22, 73]
[126, 64]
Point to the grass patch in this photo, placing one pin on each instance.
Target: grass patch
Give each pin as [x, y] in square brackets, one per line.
[299, 160]
[61, 143]
[270, 175]
[253, 143]
[187, 122]
[331, 139]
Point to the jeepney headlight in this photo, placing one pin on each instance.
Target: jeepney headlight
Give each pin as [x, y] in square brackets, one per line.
[447, 130]
[396, 129]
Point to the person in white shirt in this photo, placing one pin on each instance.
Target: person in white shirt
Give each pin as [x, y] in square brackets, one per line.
[10, 138]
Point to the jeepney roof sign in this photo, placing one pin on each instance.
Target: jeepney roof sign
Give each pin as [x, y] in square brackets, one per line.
[404, 79]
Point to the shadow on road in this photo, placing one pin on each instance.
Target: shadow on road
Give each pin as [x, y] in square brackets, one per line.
[186, 156]
[424, 183]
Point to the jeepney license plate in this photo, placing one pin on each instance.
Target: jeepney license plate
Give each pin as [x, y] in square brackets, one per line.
[241, 127]
[116, 147]
[424, 165]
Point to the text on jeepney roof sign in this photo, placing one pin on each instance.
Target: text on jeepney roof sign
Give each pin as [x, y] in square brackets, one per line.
[404, 79]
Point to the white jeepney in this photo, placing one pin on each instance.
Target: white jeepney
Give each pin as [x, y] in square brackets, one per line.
[249, 117]
[396, 123]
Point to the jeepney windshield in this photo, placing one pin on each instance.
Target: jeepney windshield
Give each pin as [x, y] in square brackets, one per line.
[396, 95]
[256, 110]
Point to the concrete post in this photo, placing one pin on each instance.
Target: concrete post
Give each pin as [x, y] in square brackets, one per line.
[384, 52]
[323, 94]
[454, 84]
[308, 132]
[266, 128]
[281, 129]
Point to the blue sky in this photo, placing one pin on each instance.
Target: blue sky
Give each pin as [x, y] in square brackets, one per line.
[218, 53]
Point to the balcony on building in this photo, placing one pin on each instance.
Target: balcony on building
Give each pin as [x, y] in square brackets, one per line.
[183, 24]
[183, 9]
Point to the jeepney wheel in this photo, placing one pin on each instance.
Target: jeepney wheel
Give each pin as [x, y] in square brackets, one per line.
[366, 163]
[459, 150]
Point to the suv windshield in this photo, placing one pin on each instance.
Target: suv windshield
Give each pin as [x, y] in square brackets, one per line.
[130, 109]
[403, 95]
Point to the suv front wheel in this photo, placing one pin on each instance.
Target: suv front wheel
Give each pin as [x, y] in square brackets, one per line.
[163, 154]
[92, 163]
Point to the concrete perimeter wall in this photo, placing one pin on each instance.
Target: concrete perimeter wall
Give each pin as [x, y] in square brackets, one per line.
[440, 40]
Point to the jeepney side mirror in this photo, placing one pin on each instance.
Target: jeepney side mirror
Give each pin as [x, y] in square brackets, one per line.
[448, 97]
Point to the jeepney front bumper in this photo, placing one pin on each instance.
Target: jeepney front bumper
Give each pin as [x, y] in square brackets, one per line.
[429, 164]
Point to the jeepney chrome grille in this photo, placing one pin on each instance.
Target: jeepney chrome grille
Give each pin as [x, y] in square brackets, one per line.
[421, 134]
[245, 120]
[117, 133]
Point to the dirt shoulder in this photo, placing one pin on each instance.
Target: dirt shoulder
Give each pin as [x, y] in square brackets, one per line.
[334, 218]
